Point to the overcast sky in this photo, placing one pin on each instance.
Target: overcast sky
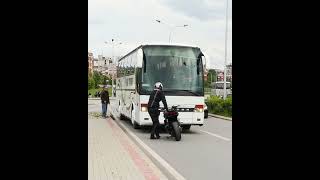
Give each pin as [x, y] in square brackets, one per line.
[133, 22]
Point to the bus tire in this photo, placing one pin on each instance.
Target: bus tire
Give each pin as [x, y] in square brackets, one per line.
[134, 123]
[122, 117]
[176, 130]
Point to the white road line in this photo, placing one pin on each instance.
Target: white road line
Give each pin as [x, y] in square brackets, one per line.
[216, 135]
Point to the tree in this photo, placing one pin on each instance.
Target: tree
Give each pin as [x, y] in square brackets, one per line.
[105, 79]
[212, 74]
[91, 83]
[89, 74]
[98, 78]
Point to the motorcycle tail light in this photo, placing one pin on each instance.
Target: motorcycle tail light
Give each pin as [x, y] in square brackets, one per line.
[144, 107]
[171, 113]
[199, 108]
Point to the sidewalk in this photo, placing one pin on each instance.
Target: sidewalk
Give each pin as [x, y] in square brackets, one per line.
[98, 98]
[112, 154]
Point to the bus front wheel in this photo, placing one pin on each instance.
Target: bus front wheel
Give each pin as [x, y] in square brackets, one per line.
[134, 123]
[122, 117]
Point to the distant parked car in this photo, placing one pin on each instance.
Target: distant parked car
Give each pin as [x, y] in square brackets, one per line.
[205, 111]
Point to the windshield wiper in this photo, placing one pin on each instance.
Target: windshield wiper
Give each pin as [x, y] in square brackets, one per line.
[184, 90]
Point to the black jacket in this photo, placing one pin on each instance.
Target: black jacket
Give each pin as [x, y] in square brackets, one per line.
[105, 97]
[155, 97]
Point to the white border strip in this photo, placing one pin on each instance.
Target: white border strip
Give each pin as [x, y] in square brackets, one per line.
[216, 135]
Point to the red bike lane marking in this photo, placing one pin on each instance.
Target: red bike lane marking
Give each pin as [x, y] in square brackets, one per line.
[141, 164]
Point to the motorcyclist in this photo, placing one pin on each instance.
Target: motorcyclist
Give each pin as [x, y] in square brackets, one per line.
[156, 96]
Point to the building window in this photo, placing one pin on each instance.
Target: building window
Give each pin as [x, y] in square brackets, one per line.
[130, 81]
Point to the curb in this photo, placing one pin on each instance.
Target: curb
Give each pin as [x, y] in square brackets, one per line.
[166, 169]
[221, 117]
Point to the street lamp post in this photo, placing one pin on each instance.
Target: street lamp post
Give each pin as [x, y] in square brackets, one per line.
[113, 62]
[225, 62]
[113, 45]
[171, 27]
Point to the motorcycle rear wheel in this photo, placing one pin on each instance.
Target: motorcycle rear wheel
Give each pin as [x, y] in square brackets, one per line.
[176, 131]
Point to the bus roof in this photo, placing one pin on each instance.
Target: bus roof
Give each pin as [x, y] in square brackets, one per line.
[221, 82]
[169, 44]
[157, 44]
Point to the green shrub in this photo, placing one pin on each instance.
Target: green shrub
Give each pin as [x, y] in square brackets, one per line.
[217, 105]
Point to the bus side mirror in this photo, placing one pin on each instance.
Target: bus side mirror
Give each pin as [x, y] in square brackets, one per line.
[139, 58]
[139, 86]
[204, 62]
[144, 63]
[198, 68]
[198, 62]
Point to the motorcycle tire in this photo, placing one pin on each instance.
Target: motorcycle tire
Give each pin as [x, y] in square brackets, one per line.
[177, 131]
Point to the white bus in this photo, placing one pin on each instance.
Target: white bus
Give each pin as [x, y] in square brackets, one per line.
[218, 88]
[179, 68]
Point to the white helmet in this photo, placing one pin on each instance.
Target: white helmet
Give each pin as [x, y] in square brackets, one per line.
[158, 85]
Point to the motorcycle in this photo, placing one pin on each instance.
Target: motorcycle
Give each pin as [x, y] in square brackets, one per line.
[171, 122]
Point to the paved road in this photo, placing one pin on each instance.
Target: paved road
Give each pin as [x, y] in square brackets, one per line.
[203, 153]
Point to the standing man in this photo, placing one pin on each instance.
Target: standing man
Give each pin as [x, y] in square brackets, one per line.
[104, 101]
[153, 108]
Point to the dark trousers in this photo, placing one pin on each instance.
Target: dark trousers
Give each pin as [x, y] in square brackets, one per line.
[104, 109]
[155, 125]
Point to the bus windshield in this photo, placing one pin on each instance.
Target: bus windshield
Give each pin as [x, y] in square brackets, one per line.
[179, 69]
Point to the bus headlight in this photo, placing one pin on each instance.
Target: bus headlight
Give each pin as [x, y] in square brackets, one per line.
[198, 108]
[144, 107]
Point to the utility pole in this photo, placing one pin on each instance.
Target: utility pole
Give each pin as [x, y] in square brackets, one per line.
[225, 62]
